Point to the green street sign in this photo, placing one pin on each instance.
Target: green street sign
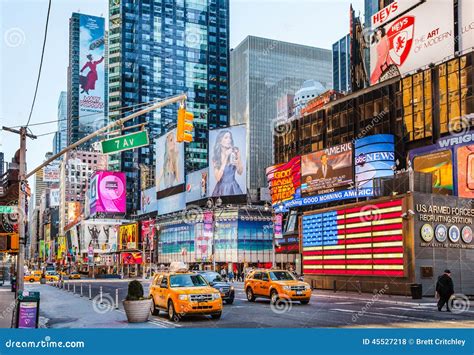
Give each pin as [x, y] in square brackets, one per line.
[126, 142]
[7, 209]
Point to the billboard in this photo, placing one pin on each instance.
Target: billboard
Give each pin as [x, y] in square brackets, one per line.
[440, 165]
[465, 171]
[73, 213]
[466, 24]
[327, 170]
[203, 241]
[92, 73]
[411, 41]
[172, 203]
[54, 197]
[108, 192]
[148, 233]
[365, 240]
[148, 201]
[51, 172]
[169, 161]
[374, 157]
[100, 235]
[196, 185]
[284, 181]
[128, 236]
[131, 258]
[228, 161]
[391, 11]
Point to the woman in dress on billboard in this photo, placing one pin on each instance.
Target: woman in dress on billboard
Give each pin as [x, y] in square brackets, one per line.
[380, 39]
[226, 162]
[88, 82]
[170, 172]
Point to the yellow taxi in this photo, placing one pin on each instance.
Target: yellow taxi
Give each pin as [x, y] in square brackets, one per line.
[74, 276]
[181, 292]
[34, 276]
[51, 276]
[276, 284]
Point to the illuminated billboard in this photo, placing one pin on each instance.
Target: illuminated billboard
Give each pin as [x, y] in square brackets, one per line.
[465, 171]
[374, 158]
[172, 203]
[51, 172]
[108, 192]
[440, 165]
[148, 233]
[131, 258]
[228, 161]
[196, 185]
[101, 235]
[284, 181]
[128, 236]
[327, 170]
[73, 213]
[169, 161]
[466, 24]
[92, 73]
[412, 40]
[366, 240]
[148, 201]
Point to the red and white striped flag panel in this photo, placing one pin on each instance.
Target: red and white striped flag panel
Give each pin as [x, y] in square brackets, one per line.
[365, 240]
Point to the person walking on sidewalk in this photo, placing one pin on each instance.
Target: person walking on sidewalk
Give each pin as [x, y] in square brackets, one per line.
[444, 290]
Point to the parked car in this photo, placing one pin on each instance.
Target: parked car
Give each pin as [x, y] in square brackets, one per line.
[225, 288]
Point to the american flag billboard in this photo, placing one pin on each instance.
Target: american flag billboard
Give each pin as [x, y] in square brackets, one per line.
[364, 240]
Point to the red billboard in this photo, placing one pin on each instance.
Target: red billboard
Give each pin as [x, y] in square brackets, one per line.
[284, 181]
[131, 258]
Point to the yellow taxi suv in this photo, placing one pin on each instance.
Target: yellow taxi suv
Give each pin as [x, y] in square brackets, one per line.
[184, 293]
[276, 284]
[74, 276]
[34, 276]
[51, 276]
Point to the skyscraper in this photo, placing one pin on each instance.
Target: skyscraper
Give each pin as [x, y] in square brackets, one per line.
[160, 48]
[262, 70]
[60, 137]
[341, 64]
[87, 90]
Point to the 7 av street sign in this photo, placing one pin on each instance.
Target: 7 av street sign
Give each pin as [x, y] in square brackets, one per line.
[129, 141]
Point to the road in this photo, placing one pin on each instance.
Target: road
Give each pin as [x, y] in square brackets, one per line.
[326, 309]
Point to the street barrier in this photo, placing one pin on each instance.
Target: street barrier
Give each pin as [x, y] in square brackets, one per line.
[81, 290]
[116, 299]
[90, 292]
[100, 291]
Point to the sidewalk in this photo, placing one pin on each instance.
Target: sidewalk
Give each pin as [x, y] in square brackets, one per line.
[62, 309]
[7, 305]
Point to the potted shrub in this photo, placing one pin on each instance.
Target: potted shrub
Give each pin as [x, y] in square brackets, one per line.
[43, 278]
[137, 307]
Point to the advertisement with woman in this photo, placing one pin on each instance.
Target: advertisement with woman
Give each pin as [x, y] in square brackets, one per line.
[227, 161]
[169, 161]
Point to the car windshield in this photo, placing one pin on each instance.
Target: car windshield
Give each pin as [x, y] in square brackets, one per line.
[51, 272]
[187, 281]
[213, 277]
[281, 276]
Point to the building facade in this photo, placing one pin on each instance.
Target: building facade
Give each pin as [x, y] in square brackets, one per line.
[60, 137]
[160, 49]
[341, 64]
[262, 70]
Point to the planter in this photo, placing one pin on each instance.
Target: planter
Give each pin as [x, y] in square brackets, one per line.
[137, 311]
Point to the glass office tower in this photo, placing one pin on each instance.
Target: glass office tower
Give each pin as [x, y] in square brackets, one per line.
[262, 71]
[160, 48]
[341, 64]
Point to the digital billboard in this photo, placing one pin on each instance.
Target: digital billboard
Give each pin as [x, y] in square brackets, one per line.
[54, 197]
[196, 185]
[169, 161]
[148, 202]
[172, 203]
[73, 213]
[374, 158]
[366, 240]
[101, 235]
[148, 233]
[327, 170]
[131, 258]
[284, 181]
[92, 72]
[228, 161]
[411, 41]
[108, 192]
[128, 236]
[440, 165]
[466, 24]
[465, 171]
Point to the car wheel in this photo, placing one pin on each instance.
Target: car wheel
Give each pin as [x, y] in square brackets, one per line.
[155, 311]
[304, 301]
[172, 315]
[31, 280]
[229, 301]
[216, 316]
[250, 295]
[274, 297]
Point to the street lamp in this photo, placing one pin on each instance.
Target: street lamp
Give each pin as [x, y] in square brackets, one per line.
[213, 206]
[267, 207]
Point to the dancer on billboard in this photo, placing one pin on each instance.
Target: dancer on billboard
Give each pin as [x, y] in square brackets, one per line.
[226, 162]
[88, 82]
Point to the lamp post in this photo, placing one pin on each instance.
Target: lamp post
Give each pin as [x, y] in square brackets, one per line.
[213, 206]
[267, 207]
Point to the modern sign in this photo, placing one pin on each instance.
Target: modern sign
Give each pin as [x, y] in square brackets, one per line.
[126, 142]
[7, 209]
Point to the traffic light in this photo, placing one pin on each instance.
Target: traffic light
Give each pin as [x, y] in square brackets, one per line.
[185, 126]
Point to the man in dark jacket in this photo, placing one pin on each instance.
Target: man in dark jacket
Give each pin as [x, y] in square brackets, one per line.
[444, 289]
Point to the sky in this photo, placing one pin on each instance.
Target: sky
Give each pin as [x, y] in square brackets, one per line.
[317, 23]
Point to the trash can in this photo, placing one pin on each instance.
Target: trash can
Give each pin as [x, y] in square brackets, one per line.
[13, 283]
[416, 291]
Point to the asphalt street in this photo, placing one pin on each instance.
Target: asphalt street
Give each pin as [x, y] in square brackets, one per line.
[326, 309]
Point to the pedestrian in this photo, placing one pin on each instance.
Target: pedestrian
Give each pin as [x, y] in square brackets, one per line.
[223, 273]
[231, 276]
[444, 290]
